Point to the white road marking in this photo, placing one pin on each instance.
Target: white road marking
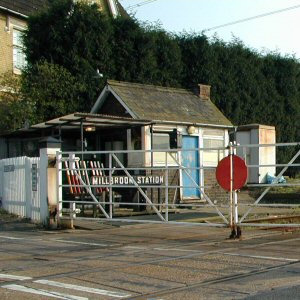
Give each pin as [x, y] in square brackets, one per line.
[161, 249]
[279, 242]
[14, 277]
[175, 249]
[18, 238]
[134, 247]
[11, 238]
[80, 243]
[83, 288]
[24, 289]
[262, 257]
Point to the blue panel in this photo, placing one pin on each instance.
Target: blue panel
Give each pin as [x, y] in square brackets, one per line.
[190, 159]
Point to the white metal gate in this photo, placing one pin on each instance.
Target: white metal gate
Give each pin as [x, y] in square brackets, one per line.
[86, 183]
[245, 210]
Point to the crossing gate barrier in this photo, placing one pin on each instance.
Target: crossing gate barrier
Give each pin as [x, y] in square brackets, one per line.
[101, 186]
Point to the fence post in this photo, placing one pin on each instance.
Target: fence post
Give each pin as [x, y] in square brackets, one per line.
[166, 188]
[59, 185]
[28, 197]
[1, 183]
[110, 188]
[48, 184]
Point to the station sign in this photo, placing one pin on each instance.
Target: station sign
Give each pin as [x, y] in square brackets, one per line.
[125, 180]
[34, 179]
[9, 168]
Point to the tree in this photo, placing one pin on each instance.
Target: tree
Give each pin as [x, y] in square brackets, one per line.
[14, 109]
[76, 37]
[51, 90]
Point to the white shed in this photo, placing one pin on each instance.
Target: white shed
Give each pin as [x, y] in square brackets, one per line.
[257, 134]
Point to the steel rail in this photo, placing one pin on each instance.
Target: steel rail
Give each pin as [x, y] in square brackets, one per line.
[153, 222]
[270, 205]
[156, 168]
[272, 184]
[144, 151]
[271, 225]
[160, 186]
[146, 204]
[266, 145]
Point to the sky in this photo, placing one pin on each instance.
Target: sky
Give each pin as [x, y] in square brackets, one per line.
[278, 32]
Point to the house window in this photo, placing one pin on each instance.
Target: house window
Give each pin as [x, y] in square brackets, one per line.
[161, 141]
[19, 59]
[213, 139]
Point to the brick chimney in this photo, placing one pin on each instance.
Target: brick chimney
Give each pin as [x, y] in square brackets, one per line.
[204, 91]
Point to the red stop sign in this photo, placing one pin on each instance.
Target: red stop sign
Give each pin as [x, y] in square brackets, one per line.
[240, 173]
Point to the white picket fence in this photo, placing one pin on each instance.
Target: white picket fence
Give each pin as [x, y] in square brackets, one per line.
[19, 186]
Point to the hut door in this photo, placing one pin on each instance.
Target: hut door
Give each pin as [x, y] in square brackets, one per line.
[190, 159]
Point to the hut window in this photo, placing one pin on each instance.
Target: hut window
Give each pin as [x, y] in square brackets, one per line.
[213, 139]
[161, 141]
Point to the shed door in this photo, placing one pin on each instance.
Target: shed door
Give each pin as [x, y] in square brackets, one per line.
[190, 159]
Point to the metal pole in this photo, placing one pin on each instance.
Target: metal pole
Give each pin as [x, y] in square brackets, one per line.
[59, 186]
[110, 188]
[231, 187]
[82, 148]
[166, 188]
[72, 211]
[235, 231]
[151, 134]
[81, 135]
[235, 203]
[235, 199]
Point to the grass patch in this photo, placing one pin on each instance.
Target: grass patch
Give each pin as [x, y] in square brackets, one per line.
[3, 212]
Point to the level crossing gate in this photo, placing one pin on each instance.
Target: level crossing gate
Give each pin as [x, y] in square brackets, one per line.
[101, 186]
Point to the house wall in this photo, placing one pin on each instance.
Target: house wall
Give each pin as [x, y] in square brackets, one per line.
[213, 190]
[7, 24]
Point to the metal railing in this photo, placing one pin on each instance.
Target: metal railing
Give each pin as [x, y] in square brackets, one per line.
[153, 198]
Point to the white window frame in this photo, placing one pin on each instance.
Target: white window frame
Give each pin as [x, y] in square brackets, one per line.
[162, 162]
[219, 154]
[18, 51]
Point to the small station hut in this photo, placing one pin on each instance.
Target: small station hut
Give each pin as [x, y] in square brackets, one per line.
[131, 116]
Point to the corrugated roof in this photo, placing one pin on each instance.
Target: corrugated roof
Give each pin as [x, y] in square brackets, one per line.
[168, 104]
[24, 7]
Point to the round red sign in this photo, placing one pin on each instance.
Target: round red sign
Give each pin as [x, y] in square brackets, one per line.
[240, 173]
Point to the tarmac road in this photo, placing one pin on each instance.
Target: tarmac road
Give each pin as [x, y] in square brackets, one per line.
[147, 261]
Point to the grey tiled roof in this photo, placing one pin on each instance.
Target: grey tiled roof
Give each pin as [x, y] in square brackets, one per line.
[27, 7]
[24, 7]
[167, 104]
